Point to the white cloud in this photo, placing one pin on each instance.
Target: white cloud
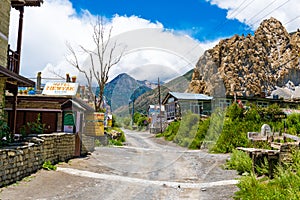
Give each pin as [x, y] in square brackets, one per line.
[253, 12]
[49, 27]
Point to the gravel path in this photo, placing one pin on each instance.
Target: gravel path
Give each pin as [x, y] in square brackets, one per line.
[146, 168]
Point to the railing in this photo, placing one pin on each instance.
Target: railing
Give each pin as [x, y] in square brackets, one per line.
[13, 61]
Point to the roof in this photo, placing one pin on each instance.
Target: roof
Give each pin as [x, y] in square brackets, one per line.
[190, 96]
[20, 3]
[78, 103]
[187, 96]
[13, 77]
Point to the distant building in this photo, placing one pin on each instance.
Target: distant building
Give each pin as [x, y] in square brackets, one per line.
[178, 103]
[157, 117]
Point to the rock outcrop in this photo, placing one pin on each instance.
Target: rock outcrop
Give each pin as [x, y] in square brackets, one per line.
[249, 65]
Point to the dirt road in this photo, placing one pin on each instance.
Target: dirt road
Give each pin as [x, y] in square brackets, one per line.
[146, 168]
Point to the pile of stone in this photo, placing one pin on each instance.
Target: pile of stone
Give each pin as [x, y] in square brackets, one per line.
[251, 65]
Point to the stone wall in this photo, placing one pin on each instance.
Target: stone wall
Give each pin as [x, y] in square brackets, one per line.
[4, 29]
[87, 144]
[17, 162]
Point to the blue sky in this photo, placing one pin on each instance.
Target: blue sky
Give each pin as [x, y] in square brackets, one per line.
[165, 37]
[198, 18]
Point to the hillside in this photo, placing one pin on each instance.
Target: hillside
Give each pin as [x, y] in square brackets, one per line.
[179, 84]
[124, 88]
[251, 65]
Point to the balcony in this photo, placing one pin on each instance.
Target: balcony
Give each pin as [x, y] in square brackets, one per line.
[13, 61]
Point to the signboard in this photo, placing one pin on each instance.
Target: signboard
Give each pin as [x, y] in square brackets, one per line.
[60, 88]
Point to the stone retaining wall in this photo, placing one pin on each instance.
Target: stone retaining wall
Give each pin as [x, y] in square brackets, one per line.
[87, 144]
[17, 162]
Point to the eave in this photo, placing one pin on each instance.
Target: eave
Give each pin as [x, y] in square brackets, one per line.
[21, 3]
[15, 80]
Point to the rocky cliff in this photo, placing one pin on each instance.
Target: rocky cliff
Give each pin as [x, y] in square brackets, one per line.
[249, 65]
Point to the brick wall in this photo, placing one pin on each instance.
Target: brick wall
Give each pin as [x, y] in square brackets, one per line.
[21, 161]
[4, 29]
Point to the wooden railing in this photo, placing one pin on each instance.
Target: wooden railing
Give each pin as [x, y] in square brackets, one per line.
[13, 61]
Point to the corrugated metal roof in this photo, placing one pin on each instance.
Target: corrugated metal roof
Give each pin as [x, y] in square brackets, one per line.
[190, 96]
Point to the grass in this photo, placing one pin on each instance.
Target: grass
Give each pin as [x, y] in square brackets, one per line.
[284, 185]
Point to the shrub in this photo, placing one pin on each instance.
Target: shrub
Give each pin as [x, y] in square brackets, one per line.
[36, 127]
[48, 165]
[239, 161]
[234, 135]
[5, 134]
[170, 131]
[284, 185]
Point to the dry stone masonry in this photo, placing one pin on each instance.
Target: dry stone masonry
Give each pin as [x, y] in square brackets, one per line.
[249, 65]
[21, 161]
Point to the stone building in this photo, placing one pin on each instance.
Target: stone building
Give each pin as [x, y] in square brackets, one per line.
[10, 79]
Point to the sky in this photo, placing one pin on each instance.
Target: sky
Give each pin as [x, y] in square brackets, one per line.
[160, 38]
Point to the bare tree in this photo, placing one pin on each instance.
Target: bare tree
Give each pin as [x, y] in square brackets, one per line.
[102, 59]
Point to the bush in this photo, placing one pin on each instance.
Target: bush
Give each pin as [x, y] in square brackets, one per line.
[170, 131]
[48, 166]
[285, 184]
[5, 134]
[234, 135]
[239, 161]
[187, 130]
[293, 124]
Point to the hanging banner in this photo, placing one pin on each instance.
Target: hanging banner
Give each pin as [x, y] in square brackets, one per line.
[60, 88]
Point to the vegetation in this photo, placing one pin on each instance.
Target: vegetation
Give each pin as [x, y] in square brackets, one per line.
[284, 185]
[48, 166]
[5, 134]
[36, 127]
[227, 129]
[115, 136]
[239, 121]
[189, 132]
[140, 120]
[240, 161]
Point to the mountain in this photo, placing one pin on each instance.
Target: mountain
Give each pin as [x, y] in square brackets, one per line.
[252, 65]
[122, 89]
[179, 84]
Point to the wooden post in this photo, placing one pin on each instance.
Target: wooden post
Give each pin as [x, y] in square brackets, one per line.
[14, 111]
[19, 42]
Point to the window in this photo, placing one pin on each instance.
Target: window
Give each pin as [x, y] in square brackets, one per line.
[170, 108]
[196, 107]
[224, 103]
[262, 104]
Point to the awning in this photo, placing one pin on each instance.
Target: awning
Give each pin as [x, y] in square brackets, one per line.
[15, 80]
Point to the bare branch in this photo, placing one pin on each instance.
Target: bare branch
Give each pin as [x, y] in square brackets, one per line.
[104, 55]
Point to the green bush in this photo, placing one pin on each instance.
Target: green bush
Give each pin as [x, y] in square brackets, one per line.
[284, 185]
[170, 131]
[48, 166]
[293, 124]
[4, 132]
[187, 130]
[234, 135]
[239, 161]
[36, 127]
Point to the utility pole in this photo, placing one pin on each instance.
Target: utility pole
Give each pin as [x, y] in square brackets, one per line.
[159, 101]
